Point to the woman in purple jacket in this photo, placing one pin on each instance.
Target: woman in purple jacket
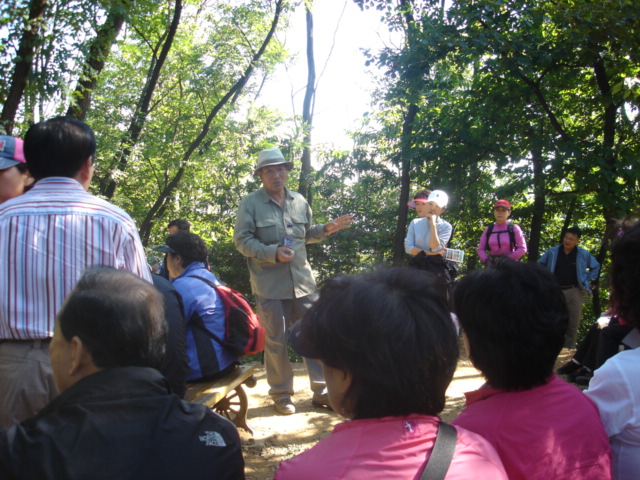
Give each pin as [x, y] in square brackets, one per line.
[503, 238]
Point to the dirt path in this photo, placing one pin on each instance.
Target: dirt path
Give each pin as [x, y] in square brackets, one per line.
[278, 438]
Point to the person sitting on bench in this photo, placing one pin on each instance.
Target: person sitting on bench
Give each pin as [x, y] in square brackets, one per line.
[389, 350]
[115, 416]
[204, 310]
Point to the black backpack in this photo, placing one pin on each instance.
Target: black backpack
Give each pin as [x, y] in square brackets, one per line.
[512, 236]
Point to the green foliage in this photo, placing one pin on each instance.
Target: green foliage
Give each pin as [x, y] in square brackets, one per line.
[506, 89]
[534, 101]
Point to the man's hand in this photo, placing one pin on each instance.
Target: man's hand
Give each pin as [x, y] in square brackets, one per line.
[337, 224]
[284, 254]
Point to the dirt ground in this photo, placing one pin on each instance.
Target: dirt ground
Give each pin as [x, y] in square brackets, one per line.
[277, 438]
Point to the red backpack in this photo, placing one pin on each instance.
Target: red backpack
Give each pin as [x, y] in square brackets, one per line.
[244, 335]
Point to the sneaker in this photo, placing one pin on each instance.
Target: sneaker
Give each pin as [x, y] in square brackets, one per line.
[568, 368]
[284, 406]
[583, 380]
[581, 372]
[321, 400]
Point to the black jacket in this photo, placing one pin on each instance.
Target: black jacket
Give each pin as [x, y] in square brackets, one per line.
[175, 365]
[121, 423]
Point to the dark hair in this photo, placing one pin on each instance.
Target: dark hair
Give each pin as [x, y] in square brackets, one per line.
[189, 246]
[625, 274]
[515, 318]
[180, 223]
[422, 194]
[392, 331]
[118, 316]
[58, 147]
[575, 230]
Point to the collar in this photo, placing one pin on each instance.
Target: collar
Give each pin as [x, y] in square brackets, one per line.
[266, 198]
[190, 268]
[56, 183]
[486, 391]
[111, 383]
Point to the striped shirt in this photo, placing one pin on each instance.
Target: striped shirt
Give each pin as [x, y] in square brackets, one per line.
[48, 236]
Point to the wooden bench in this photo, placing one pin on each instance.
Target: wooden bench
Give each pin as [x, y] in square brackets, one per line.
[226, 395]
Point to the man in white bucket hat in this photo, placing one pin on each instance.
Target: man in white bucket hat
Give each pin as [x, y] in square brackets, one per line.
[273, 226]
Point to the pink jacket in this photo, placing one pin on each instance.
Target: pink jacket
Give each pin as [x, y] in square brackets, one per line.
[390, 447]
[546, 433]
[500, 244]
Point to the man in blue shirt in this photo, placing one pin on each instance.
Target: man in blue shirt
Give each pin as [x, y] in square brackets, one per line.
[203, 308]
[575, 269]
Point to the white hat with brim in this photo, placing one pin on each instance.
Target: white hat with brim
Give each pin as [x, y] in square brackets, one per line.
[271, 156]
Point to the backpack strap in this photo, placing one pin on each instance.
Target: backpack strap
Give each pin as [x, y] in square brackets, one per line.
[488, 236]
[199, 325]
[442, 453]
[512, 237]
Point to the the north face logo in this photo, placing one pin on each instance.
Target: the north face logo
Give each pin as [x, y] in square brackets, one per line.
[212, 439]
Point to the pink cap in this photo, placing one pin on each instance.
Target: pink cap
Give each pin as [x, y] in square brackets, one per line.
[11, 151]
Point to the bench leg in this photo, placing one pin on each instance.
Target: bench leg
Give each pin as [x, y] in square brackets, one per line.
[234, 407]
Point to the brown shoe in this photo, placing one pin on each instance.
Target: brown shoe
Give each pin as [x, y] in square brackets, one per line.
[321, 400]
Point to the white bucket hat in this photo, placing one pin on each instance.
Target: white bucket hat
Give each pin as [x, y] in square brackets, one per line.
[271, 156]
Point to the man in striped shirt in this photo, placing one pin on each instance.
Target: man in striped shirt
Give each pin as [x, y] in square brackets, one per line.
[48, 236]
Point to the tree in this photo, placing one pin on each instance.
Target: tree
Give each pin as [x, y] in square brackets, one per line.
[307, 106]
[232, 94]
[132, 135]
[23, 63]
[97, 55]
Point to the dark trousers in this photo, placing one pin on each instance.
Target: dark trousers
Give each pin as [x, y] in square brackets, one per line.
[600, 344]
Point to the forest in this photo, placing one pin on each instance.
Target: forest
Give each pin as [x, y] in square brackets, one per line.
[532, 101]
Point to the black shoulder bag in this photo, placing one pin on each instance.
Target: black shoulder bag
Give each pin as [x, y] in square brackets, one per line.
[442, 453]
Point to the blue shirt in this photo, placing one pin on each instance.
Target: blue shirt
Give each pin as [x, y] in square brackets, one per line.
[419, 235]
[203, 309]
[587, 267]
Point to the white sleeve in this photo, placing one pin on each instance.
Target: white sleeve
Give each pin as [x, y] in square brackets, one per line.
[410, 240]
[610, 390]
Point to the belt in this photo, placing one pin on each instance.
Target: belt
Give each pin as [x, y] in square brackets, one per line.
[567, 287]
[38, 343]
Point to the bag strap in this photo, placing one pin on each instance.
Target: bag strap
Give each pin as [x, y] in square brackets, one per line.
[200, 326]
[442, 453]
[489, 231]
[512, 237]
[510, 231]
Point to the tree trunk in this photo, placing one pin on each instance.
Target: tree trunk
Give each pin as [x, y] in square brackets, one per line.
[405, 184]
[24, 59]
[307, 108]
[131, 137]
[406, 143]
[539, 201]
[96, 58]
[568, 218]
[165, 194]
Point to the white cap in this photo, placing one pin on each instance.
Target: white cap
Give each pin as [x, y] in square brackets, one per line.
[439, 198]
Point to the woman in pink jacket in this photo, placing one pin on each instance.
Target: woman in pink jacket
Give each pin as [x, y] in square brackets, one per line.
[389, 350]
[503, 238]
